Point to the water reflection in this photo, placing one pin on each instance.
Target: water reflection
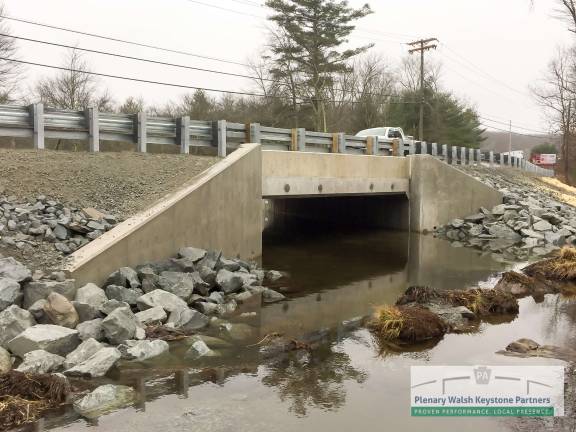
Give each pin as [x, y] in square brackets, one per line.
[348, 380]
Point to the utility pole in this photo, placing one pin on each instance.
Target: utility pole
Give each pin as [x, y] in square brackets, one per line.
[421, 46]
[510, 140]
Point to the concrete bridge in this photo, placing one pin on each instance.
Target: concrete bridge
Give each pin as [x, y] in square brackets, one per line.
[223, 207]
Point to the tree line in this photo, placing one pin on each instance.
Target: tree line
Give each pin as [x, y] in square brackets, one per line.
[307, 71]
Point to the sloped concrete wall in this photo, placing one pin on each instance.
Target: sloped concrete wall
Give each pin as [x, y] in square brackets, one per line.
[220, 209]
[440, 193]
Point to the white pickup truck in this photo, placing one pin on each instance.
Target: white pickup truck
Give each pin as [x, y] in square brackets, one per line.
[387, 134]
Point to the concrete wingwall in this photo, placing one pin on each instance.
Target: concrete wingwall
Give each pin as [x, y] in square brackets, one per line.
[220, 209]
[440, 193]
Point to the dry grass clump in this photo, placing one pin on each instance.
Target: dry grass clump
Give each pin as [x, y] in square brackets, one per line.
[24, 397]
[513, 277]
[561, 267]
[407, 324]
[484, 301]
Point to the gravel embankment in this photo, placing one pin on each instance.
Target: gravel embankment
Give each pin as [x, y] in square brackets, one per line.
[47, 198]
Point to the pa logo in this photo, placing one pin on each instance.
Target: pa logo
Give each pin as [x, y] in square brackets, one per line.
[482, 375]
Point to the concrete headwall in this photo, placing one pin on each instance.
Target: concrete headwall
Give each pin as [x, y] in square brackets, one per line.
[440, 193]
[297, 174]
[220, 209]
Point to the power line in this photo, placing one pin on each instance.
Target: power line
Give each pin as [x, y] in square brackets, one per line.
[226, 9]
[517, 133]
[517, 127]
[133, 79]
[113, 39]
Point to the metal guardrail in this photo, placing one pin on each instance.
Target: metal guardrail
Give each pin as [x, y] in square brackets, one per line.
[38, 123]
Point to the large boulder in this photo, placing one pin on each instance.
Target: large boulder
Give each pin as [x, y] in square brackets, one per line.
[188, 319]
[14, 321]
[179, 284]
[192, 253]
[167, 301]
[123, 294]
[37, 290]
[198, 350]
[271, 296]
[84, 351]
[54, 339]
[10, 293]
[5, 361]
[86, 311]
[91, 294]
[103, 400]
[60, 311]
[12, 269]
[97, 365]
[151, 316]
[91, 329]
[40, 362]
[39, 313]
[228, 281]
[143, 350]
[111, 305]
[120, 326]
[125, 276]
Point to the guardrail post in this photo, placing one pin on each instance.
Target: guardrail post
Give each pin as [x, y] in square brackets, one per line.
[434, 149]
[37, 112]
[445, 152]
[183, 134]
[294, 140]
[411, 148]
[454, 160]
[375, 146]
[491, 158]
[338, 143]
[462, 155]
[253, 133]
[301, 139]
[478, 156]
[369, 145]
[220, 137]
[424, 147]
[396, 151]
[93, 129]
[141, 134]
[470, 156]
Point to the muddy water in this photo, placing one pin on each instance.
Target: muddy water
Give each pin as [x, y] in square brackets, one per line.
[350, 382]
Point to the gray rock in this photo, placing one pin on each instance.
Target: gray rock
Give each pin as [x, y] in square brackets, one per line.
[86, 312]
[91, 294]
[273, 276]
[12, 269]
[208, 275]
[531, 234]
[14, 321]
[504, 232]
[554, 238]
[150, 282]
[457, 223]
[91, 330]
[475, 218]
[5, 361]
[198, 350]
[97, 365]
[38, 290]
[167, 301]
[188, 319]
[111, 305]
[10, 293]
[210, 260]
[271, 296]
[216, 297]
[184, 264]
[213, 343]
[61, 232]
[40, 362]
[120, 326]
[210, 308]
[553, 218]
[54, 339]
[499, 210]
[152, 315]
[84, 351]
[122, 294]
[476, 230]
[228, 281]
[238, 332]
[125, 276]
[143, 350]
[179, 284]
[104, 399]
[542, 226]
[458, 317]
[229, 265]
[194, 254]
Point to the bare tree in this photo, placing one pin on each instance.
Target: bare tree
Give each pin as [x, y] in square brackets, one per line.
[557, 97]
[9, 71]
[132, 105]
[74, 88]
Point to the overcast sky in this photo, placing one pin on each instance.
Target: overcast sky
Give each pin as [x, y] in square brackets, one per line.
[491, 50]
